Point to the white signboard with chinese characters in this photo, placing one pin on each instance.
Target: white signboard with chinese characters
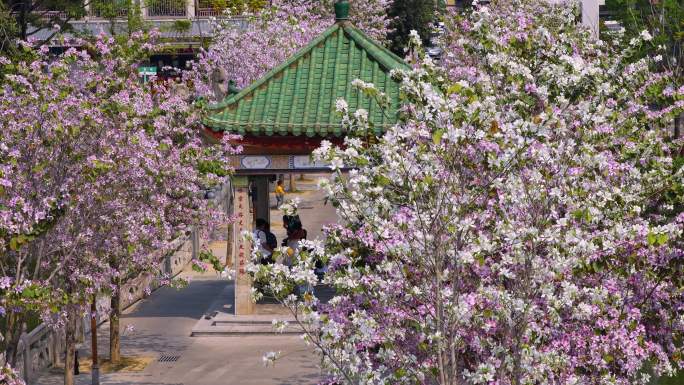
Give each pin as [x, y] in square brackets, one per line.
[255, 162]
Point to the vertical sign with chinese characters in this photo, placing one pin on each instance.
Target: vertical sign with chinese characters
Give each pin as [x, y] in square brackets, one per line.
[243, 281]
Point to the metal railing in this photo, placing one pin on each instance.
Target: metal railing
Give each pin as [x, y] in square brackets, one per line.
[166, 8]
[119, 9]
[47, 15]
[204, 8]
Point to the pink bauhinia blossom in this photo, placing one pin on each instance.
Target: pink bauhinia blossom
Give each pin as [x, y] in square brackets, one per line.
[498, 234]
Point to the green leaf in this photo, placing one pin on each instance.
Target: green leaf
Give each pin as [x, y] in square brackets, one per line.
[383, 180]
[13, 244]
[437, 137]
[39, 167]
[29, 293]
[652, 239]
[578, 214]
[662, 239]
[454, 88]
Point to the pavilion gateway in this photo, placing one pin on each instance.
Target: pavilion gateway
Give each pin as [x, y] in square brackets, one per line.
[285, 115]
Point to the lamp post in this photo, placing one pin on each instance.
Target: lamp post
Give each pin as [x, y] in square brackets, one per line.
[93, 333]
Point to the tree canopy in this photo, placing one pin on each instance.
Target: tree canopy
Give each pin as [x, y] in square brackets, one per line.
[661, 23]
[411, 15]
[509, 229]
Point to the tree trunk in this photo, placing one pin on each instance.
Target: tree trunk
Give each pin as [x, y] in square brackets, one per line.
[23, 19]
[114, 325]
[95, 368]
[677, 132]
[70, 342]
[12, 337]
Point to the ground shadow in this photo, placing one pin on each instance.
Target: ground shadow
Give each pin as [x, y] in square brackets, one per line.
[190, 302]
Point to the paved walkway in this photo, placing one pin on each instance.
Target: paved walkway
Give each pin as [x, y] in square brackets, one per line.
[163, 322]
[162, 325]
[313, 211]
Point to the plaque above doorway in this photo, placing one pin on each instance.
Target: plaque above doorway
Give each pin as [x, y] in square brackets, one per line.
[255, 162]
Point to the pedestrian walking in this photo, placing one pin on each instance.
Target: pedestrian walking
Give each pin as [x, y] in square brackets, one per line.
[279, 193]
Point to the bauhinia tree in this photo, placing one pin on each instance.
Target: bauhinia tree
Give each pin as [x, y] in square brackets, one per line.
[660, 22]
[272, 35]
[509, 229]
[9, 377]
[154, 180]
[412, 15]
[46, 136]
[100, 172]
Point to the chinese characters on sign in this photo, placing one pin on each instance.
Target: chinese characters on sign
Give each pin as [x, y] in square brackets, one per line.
[243, 282]
[243, 224]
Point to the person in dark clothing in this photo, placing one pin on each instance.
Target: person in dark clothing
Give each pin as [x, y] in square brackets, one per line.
[272, 242]
[261, 240]
[294, 228]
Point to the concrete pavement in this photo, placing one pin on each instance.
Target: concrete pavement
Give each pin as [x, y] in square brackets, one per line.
[312, 210]
[162, 325]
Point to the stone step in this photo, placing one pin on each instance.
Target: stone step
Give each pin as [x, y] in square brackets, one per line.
[233, 328]
[231, 325]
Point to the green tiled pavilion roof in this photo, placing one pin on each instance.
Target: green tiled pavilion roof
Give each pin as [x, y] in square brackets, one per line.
[298, 97]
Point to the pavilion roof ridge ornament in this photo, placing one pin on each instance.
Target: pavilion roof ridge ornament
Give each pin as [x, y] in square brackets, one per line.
[232, 88]
[341, 10]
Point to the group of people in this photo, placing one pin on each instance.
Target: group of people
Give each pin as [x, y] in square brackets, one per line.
[267, 241]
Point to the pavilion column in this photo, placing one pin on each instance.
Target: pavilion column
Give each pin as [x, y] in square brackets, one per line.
[242, 248]
[293, 185]
[262, 208]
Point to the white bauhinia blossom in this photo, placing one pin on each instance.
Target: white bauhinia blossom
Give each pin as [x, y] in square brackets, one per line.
[361, 114]
[341, 106]
[270, 358]
[279, 325]
[491, 235]
[646, 35]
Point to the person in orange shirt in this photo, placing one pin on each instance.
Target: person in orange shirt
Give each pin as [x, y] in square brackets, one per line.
[279, 193]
